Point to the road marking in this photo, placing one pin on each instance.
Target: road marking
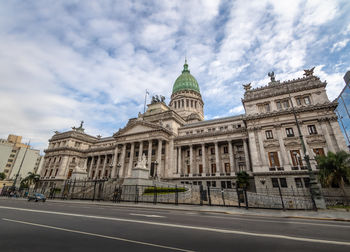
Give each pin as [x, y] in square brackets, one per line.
[148, 215]
[217, 230]
[97, 235]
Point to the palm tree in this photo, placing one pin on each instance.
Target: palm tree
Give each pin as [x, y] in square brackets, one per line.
[242, 179]
[32, 178]
[334, 169]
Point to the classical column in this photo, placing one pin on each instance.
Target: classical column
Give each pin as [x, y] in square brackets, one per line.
[192, 170]
[176, 168]
[217, 161]
[236, 159]
[246, 155]
[230, 152]
[90, 170]
[179, 162]
[115, 162]
[140, 151]
[122, 162]
[159, 158]
[149, 155]
[104, 166]
[97, 166]
[131, 159]
[284, 156]
[203, 158]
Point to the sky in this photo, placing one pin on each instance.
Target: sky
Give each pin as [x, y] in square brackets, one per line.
[66, 61]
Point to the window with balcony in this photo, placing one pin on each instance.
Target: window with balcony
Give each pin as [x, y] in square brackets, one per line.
[273, 158]
[298, 182]
[312, 129]
[296, 158]
[319, 152]
[225, 149]
[289, 132]
[269, 134]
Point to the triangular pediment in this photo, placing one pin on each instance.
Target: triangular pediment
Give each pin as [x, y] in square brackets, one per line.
[139, 127]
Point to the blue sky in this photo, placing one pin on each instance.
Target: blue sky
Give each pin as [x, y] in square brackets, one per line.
[66, 61]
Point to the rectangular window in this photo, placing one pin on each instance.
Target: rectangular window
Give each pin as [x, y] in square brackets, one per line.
[307, 100]
[191, 103]
[289, 132]
[187, 103]
[200, 168]
[153, 152]
[227, 167]
[298, 183]
[213, 168]
[275, 182]
[212, 151]
[283, 182]
[298, 101]
[175, 104]
[273, 158]
[285, 104]
[188, 153]
[279, 105]
[269, 134]
[319, 152]
[200, 152]
[223, 184]
[10, 160]
[312, 129]
[225, 149]
[306, 182]
[8, 165]
[296, 158]
[267, 107]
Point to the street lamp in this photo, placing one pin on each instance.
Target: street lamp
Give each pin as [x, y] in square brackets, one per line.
[118, 168]
[155, 169]
[315, 190]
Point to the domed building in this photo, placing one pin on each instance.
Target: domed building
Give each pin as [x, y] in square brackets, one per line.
[181, 147]
[186, 98]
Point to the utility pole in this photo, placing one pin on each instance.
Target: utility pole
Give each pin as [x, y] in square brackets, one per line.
[315, 189]
[20, 167]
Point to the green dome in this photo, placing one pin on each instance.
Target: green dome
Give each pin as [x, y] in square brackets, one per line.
[185, 81]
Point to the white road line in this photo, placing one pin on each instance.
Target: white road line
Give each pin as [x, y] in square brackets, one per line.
[294, 238]
[97, 235]
[148, 215]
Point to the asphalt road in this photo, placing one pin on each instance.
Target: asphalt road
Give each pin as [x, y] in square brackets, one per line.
[52, 226]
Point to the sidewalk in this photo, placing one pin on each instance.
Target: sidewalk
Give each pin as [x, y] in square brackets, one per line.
[338, 215]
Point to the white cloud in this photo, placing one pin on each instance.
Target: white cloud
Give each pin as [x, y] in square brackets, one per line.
[339, 45]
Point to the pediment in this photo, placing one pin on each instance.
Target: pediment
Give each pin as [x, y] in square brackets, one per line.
[139, 127]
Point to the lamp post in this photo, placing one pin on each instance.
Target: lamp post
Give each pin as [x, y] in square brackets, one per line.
[315, 190]
[118, 168]
[155, 170]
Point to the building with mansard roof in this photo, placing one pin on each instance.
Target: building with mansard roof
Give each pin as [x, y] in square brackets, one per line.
[180, 146]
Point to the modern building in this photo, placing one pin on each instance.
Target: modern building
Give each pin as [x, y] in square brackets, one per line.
[343, 109]
[182, 147]
[13, 152]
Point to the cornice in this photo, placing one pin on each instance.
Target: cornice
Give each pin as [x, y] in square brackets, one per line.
[277, 88]
[211, 134]
[298, 110]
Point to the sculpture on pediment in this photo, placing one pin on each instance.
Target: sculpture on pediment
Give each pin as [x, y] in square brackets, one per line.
[99, 136]
[247, 87]
[272, 76]
[56, 132]
[309, 72]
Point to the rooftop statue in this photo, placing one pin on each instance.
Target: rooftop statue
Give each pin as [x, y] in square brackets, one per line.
[156, 99]
[80, 128]
[247, 87]
[309, 72]
[272, 76]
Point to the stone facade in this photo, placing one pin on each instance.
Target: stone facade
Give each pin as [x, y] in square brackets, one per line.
[182, 147]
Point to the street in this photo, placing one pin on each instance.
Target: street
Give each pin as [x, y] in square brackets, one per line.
[63, 226]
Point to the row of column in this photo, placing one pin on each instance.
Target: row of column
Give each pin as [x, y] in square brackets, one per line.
[182, 168]
[120, 168]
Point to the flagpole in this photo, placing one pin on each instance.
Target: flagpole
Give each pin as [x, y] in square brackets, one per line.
[144, 106]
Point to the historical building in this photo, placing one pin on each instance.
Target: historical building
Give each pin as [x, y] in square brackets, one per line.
[182, 147]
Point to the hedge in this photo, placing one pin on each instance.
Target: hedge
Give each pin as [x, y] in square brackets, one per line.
[164, 189]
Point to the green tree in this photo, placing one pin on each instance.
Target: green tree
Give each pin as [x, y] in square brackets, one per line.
[334, 169]
[242, 179]
[32, 178]
[2, 176]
